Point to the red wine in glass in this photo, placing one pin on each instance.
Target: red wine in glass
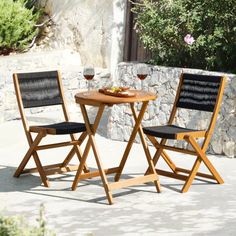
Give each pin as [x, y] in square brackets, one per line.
[142, 73]
[88, 73]
[88, 77]
[142, 76]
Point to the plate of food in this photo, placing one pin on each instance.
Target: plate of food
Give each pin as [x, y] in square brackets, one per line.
[117, 91]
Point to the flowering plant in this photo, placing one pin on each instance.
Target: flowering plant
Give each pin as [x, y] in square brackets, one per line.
[189, 39]
[165, 28]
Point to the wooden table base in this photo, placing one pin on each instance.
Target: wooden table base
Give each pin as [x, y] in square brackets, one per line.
[91, 130]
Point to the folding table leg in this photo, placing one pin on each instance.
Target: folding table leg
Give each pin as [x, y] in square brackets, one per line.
[147, 152]
[101, 170]
[91, 141]
[131, 140]
[88, 145]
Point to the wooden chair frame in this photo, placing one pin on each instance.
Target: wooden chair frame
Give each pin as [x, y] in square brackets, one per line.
[34, 146]
[199, 151]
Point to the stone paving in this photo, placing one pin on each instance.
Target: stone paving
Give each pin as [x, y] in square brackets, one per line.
[207, 209]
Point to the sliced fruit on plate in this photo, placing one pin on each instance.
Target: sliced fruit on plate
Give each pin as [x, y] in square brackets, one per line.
[117, 91]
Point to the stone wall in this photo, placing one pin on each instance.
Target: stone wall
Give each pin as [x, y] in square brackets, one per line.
[64, 60]
[117, 121]
[164, 81]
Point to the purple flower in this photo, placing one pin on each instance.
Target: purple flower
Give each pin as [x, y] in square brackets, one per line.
[189, 39]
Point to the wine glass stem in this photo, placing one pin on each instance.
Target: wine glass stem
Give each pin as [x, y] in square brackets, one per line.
[142, 87]
[89, 85]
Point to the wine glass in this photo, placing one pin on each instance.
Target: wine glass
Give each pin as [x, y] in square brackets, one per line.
[88, 73]
[142, 73]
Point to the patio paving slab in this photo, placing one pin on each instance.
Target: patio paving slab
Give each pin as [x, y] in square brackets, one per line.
[206, 209]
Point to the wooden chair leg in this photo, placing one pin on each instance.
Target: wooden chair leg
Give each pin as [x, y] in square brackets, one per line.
[204, 158]
[160, 152]
[41, 170]
[70, 155]
[30, 151]
[168, 161]
[191, 175]
[79, 155]
[27, 156]
[81, 166]
[72, 151]
[76, 150]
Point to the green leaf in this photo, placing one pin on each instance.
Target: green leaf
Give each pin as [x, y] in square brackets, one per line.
[17, 24]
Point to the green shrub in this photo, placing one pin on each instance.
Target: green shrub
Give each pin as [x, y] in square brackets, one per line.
[163, 25]
[17, 25]
[17, 226]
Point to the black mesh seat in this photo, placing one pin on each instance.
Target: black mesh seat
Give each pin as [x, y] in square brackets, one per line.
[169, 131]
[61, 128]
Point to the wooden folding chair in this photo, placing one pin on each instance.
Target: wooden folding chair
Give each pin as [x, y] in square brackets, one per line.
[45, 89]
[196, 92]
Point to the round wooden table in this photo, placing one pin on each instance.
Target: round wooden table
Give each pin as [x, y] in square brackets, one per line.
[95, 98]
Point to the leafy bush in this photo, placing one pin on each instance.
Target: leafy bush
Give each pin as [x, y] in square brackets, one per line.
[163, 25]
[17, 226]
[17, 24]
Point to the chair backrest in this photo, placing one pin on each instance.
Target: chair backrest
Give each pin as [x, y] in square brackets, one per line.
[199, 92]
[39, 89]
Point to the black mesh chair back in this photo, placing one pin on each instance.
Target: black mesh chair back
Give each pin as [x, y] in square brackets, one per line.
[40, 89]
[199, 92]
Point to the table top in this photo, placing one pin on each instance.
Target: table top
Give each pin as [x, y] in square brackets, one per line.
[96, 98]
